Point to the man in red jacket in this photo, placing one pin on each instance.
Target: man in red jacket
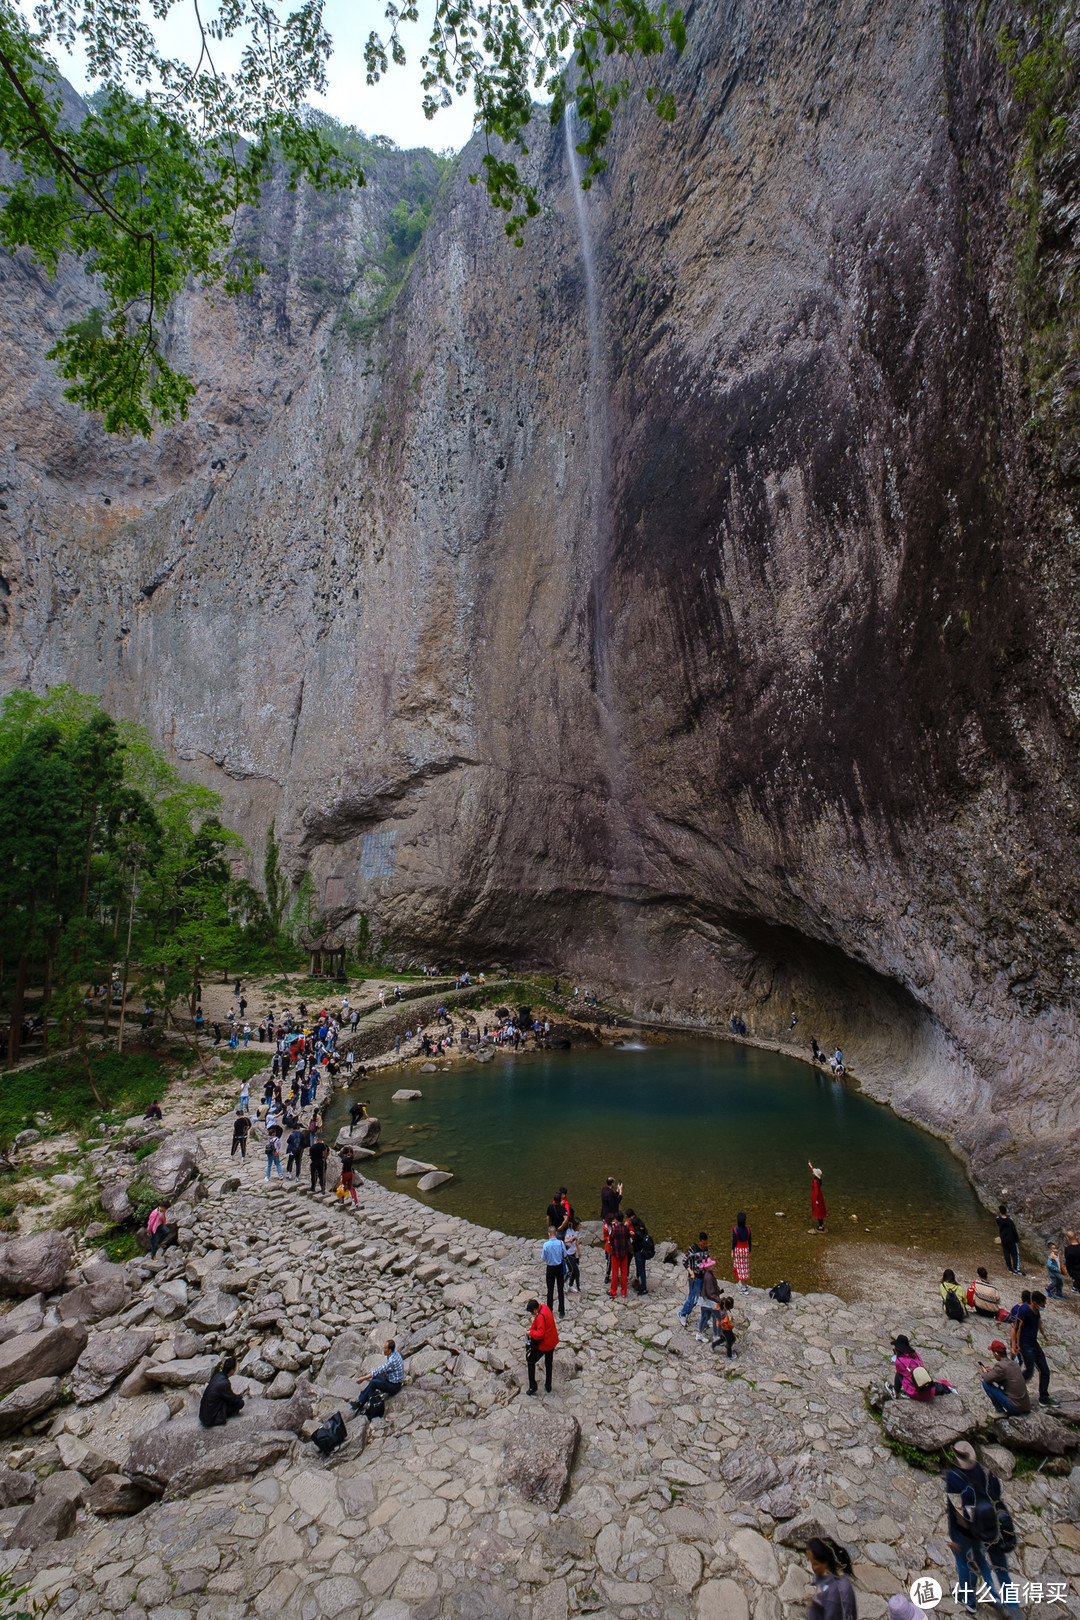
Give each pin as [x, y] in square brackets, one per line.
[622, 1244]
[543, 1337]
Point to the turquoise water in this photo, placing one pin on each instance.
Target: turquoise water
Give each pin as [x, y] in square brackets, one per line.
[696, 1132]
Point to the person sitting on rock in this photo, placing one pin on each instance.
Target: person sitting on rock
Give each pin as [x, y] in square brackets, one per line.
[153, 1112]
[218, 1402]
[386, 1380]
[912, 1379]
[1004, 1383]
[983, 1298]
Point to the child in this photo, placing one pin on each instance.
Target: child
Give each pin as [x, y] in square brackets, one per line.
[572, 1245]
[1053, 1272]
[727, 1328]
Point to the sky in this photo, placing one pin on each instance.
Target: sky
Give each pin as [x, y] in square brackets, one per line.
[392, 107]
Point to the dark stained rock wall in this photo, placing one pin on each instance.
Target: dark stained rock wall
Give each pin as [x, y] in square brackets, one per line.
[728, 660]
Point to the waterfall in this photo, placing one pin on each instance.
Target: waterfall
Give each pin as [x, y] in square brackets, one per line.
[613, 759]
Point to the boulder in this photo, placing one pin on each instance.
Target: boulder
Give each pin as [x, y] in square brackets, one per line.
[232, 1461]
[69, 1483]
[103, 1296]
[231, 1184]
[367, 1133]
[76, 1454]
[50, 1518]
[210, 1313]
[413, 1167]
[27, 1137]
[804, 1527]
[405, 1095]
[929, 1425]
[115, 1494]
[15, 1488]
[35, 1264]
[26, 1403]
[136, 1382]
[182, 1374]
[174, 1166]
[107, 1357]
[165, 1451]
[25, 1317]
[538, 1455]
[115, 1202]
[433, 1179]
[40, 1355]
[1035, 1431]
[345, 1361]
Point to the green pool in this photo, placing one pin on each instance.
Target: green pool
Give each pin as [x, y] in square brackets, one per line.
[696, 1131]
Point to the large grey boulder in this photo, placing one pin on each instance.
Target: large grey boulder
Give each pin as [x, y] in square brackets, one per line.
[413, 1167]
[233, 1461]
[210, 1313]
[115, 1202]
[1035, 1431]
[174, 1166]
[344, 1363]
[182, 1444]
[104, 1292]
[36, 1264]
[107, 1357]
[40, 1355]
[433, 1179]
[50, 1518]
[538, 1455]
[69, 1483]
[27, 1402]
[182, 1374]
[15, 1488]
[406, 1095]
[25, 1317]
[366, 1134]
[928, 1425]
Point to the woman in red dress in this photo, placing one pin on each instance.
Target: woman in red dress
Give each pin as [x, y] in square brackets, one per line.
[817, 1198]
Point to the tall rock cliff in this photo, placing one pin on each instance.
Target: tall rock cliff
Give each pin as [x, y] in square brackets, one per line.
[684, 599]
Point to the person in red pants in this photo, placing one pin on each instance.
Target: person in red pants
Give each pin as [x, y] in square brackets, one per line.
[621, 1245]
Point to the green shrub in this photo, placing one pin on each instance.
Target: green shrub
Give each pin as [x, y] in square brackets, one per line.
[126, 1082]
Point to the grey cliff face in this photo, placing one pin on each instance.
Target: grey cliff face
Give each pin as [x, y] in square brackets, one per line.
[724, 653]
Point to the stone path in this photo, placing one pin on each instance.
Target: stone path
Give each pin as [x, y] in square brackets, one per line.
[692, 1476]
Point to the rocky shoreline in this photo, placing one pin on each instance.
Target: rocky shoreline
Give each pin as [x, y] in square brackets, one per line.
[654, 1480]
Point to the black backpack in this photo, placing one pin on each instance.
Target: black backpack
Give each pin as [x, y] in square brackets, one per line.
[648, 1247]
[981, 1516]
[954, 1310]
[781, 1293]
[375, 1406]
[332, 1434]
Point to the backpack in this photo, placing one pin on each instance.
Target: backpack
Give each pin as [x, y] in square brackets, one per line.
[781, 1293]
[981, 1517]
[376, 1406]
[332, 1434]
[954, 1309]
[648, 1247]
[921, 1378]
[726, 1324]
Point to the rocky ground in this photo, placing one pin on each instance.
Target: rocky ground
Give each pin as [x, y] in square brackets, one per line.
[656, 1479]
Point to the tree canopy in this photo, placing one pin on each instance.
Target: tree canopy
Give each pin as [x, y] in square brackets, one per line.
[145, 188]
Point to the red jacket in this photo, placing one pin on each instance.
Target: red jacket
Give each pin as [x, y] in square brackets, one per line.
[543, 1330]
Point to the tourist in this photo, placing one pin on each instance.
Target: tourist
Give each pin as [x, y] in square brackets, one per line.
[1004, 1383]
[952, 1300]
[273, 1151]
[559, 1213]
[1054, 1289]
[833, 1597]
[972, 1497]
[1026, 1324]
[157, 1228]
[912, 1381]
[983, 1299]
[554, 1258]
[245, 1097]
[572, 1245]
[712, 1301]
[153, 1112]
[643, 1249]
[726, 1335]
[901, 1608]
[387, 1378]
[741, 1244]
[695, 1256]
[317, 1153]
[357, 1111]
[621, 1243]
[543, 1337]
[610, 1199]
[1071, 1257]
[218, 1402]
[348, 1174]
[241, 1127]
[818, 1212]
[1010, 1240]
[294, 1142]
